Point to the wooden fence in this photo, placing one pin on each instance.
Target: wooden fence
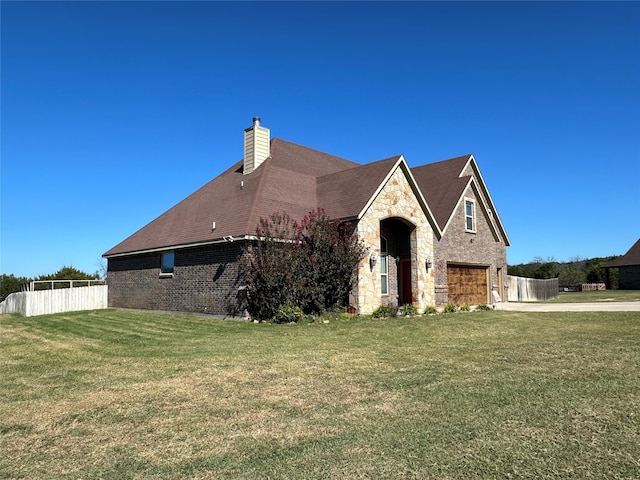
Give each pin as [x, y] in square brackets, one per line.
[44, 302]
[522, 289]
[34, 285]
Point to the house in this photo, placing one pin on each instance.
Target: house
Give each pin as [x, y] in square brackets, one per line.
[433, 233]
[470, 253]
[628, 267]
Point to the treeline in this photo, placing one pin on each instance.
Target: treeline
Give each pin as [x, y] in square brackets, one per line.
[574, 272]
[11, 283]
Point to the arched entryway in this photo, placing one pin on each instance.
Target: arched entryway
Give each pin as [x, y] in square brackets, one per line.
[397, 259]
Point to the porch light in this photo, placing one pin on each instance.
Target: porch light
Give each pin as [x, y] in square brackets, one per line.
[373, 259]
[429, 263]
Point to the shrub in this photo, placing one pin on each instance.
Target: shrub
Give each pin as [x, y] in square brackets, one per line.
[410, 309]
[288, 313]
[483, 307]
[383, 311]
[311, 264]
[430, 310]
[465, 308]
[330, 252]
[450, 308]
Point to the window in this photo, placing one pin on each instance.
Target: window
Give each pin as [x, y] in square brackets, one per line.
[470, 215]
[166, 264]
[384, 267]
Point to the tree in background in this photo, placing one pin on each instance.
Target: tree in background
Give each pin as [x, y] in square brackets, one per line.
[574, 272]
[11, 284]
[69, 273]
[309, 264]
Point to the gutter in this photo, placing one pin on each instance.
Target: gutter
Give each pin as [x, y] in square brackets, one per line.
[217, 241]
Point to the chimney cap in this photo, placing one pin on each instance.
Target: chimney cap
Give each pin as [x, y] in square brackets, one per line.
[256, 121]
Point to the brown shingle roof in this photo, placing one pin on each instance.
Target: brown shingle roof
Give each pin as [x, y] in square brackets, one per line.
[629, 259]
[344, 194]
[284, 182]
[295, 180]
[442, 185]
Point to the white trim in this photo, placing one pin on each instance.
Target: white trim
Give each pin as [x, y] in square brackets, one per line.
[453, 213]
[474, 215]
[216, 241]
[380, 187]
[488, 213]
[495, 218]
[491, 219]
[484, 197]
[384, 276]
[402, 163]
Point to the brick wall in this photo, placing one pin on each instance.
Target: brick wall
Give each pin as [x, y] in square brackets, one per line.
[204, 280]
[460, 246]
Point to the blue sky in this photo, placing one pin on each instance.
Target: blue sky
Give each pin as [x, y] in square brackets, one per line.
[112, 112]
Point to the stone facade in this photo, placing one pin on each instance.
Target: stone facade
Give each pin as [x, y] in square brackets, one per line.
[396, 200]
[204, 280]
[482, 247]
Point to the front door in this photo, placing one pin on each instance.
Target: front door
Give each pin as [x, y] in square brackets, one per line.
[406, 295]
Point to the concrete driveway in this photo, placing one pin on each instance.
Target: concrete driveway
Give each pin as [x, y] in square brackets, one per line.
[570, 307]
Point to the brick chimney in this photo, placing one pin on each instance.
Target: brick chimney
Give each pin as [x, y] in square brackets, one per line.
[256, 146]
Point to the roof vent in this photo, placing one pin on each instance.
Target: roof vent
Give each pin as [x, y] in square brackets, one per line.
[256, 146]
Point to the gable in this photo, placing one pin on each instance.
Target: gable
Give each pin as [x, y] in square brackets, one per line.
[344, 194]
[483, 213]
[400, 176]
[444, 185]
[488, 203]
[398, 197]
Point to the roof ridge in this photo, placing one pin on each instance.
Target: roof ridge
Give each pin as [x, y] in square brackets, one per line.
[465, 156]
[360, 165]
[277, 139]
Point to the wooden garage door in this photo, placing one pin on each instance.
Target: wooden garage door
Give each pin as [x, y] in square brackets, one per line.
[467, 284]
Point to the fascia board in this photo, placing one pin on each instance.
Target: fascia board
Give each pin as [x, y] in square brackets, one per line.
[485, 192]
[423, 202]
[401, 162]
[485, 209]
[216, 241]
[453, 212]
[480, 199]
[379, 188]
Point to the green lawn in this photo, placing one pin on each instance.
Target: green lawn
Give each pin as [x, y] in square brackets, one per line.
[134, 395]
[599, 296]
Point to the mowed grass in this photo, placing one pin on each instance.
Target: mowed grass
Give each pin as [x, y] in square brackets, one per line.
[135, 395]
[598, 296]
